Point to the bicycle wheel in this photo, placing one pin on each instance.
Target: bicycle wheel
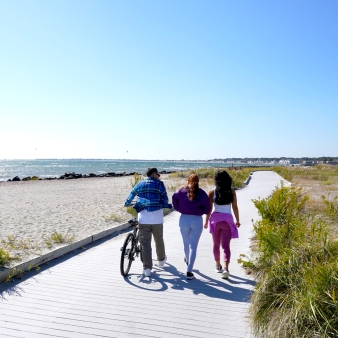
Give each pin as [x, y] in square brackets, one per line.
[127, 255]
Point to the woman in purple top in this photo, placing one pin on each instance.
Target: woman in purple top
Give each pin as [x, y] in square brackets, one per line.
[221, 223]
[192, 202]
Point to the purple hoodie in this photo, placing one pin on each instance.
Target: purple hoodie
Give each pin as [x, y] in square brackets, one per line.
[199, 206]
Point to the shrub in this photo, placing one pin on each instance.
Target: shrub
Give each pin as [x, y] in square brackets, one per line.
[295, 263]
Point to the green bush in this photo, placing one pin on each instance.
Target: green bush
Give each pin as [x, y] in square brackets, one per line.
[295, 263]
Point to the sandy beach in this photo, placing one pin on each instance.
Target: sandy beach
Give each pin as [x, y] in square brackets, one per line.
[31, 211]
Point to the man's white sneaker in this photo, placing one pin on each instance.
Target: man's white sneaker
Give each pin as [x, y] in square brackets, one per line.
[147, 272]
[161, 263]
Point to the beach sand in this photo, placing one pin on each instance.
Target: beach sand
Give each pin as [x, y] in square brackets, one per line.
[31, 211]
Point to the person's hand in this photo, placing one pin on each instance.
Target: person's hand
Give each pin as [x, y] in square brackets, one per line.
[206, 226]
[238, 224]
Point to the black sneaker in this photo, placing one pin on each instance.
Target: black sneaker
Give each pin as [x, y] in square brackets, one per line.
[218, 268]
[185, 260]
[190, 275]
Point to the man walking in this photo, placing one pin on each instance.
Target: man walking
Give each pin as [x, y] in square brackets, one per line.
[152, 198]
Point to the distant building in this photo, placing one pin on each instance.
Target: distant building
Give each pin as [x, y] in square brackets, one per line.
[288, 161]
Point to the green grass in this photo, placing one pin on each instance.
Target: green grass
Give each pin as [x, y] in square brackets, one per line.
[238, 176]
[295, 264]
[323, 173]
[130, 210]
[113, 217]
[4, 257]
[136, 178]
[59, 238]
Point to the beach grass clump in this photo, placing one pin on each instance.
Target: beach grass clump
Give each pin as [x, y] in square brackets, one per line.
[113, 218]
[59, 238]
[136, 178]
[5, 257]
[130, 210]
[295, 263]
[331, 207]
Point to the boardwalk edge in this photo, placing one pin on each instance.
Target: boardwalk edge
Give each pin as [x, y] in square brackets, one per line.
[35, 262]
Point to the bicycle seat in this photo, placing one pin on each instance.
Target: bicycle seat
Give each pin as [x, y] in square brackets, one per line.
[133, 222]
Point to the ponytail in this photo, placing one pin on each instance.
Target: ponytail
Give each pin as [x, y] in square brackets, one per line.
[192, 187]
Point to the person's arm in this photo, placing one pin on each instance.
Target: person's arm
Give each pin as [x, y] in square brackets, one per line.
[131, 196]
[176, 201]
[164, 197]
[235, 209]
[211, 200]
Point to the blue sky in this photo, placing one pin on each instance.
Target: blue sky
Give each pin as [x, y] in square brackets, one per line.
[168, 79]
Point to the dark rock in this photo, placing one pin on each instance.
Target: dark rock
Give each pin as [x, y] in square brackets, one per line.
[16, 178]
[69, 174]
[9, 180]
[92, 175]
[111, 174]
[26, 178]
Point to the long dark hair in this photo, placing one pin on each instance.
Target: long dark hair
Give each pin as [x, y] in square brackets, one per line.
[223, 191]
[192, 187]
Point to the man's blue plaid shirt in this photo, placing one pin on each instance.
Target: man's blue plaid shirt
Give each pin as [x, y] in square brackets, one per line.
[152, 195]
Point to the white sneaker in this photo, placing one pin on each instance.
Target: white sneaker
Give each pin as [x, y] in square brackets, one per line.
[147, 272]
[161, 263]
[225, 274]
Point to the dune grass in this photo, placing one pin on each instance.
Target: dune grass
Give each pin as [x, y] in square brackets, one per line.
[5, 257]
[238, 176]
[295, 262]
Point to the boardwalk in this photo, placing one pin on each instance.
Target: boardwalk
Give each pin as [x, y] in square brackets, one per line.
[83, 294]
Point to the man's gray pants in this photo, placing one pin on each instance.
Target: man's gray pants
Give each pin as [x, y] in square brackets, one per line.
[145, 232]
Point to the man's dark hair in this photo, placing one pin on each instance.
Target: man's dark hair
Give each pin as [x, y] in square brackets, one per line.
[150, 171]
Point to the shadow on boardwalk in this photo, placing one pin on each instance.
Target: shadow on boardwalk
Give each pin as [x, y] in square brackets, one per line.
[234, 289]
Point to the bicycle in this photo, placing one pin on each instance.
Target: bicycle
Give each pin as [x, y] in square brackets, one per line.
[131, 248]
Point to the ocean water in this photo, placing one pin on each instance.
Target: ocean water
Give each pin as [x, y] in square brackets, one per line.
[56, 168]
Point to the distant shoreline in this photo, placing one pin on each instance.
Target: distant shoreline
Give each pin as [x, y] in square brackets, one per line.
[54, 169]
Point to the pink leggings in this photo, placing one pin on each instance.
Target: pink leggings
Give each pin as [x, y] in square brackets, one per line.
[222, 235]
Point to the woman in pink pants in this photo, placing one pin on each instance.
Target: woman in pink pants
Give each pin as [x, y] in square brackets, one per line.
[220, 220]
